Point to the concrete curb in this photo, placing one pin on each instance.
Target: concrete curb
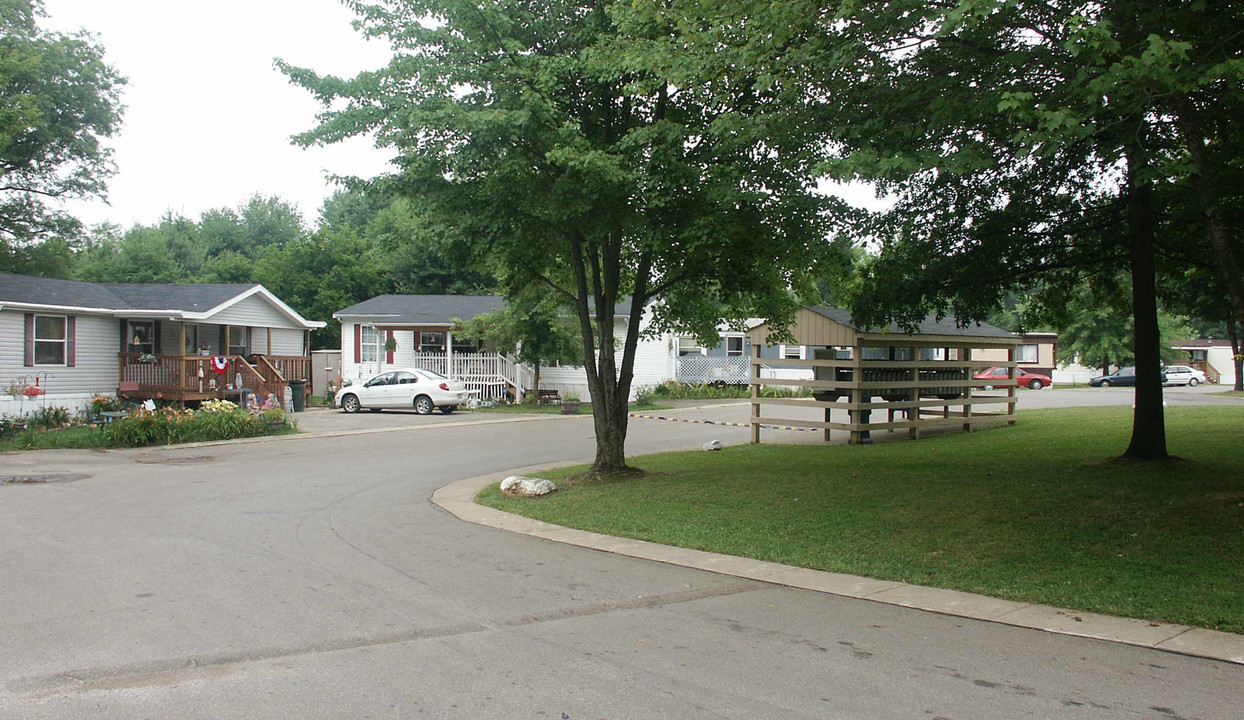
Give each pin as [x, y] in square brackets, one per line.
[458, 499]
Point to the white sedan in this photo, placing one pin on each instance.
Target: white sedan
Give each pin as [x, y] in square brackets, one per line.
[1183, 375]
[422, 390]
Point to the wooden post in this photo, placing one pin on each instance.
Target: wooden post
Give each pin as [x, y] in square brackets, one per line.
[754, 377]
[914, 395]
[1013, 391]
[966, 354]
[181, 362]
[853, 400]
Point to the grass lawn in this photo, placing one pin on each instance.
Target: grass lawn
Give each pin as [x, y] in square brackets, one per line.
[1038, 512]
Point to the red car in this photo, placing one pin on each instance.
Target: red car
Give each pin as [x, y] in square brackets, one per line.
[994, 375]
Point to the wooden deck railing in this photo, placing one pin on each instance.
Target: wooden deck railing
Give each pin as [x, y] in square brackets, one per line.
[194, 375]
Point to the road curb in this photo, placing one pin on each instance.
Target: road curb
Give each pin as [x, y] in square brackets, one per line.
[458, 499]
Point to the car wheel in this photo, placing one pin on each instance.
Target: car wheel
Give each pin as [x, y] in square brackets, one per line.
[1193, 382]
[1105, 383]
[424, 405]
[1036, 385]
[446, 409]
[350, 404]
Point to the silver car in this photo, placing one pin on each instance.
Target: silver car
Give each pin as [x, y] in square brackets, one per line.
[1183, 375]
[421, 390]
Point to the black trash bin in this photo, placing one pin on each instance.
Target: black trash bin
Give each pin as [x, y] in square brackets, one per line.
[298, 388]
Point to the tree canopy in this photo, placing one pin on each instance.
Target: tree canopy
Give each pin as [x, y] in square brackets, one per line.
[542, 138]
[59, 101]
[1018, 141]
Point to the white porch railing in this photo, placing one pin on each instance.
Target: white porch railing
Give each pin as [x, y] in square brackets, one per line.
[489, 374]
[695, 369]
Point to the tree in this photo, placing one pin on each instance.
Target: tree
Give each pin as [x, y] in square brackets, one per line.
[1018, 139]
[58, 101]
[543, 138]
[534, 326]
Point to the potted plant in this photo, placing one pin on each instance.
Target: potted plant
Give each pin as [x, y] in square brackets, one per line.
[390, 345]
[570, 404]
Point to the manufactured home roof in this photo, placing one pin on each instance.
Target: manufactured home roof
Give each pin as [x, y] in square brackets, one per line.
[931, 325]
[116, 296]
[189, 299]
[433, 309]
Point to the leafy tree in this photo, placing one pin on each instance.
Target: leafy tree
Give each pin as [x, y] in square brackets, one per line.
[320, 275]
[416, 259]
[1018, 139]
[58, 101]
[551, 140]
[534, 326]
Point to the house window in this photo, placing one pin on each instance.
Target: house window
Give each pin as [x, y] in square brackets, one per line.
[734, 346]
[1026, 354]
[928, 353]
[369, 344]
[237, 341]
[141, 337]
[791, 352]
[1198, 355]
[432, 341]
[688, 345]
[50, 340]
[465, 344]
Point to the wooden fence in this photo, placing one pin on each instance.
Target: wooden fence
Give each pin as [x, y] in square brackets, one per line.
[927, 394]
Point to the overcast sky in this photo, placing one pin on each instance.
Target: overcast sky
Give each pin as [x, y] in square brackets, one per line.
[208, 119]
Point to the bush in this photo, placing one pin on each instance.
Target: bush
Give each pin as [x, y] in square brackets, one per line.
[49, 418]
[11, 425]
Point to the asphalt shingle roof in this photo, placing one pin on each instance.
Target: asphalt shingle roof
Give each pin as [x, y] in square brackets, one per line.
[424, 308]
[929, 326]
[116, 296]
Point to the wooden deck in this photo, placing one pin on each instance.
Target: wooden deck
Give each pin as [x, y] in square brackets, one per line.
[189, 378]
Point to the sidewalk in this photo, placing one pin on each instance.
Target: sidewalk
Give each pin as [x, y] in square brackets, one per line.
[459, 499]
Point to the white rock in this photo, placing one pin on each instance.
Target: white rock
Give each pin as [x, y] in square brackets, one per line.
[519, 486]
[712, 445]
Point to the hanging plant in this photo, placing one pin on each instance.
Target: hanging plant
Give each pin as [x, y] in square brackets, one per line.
[390, 345]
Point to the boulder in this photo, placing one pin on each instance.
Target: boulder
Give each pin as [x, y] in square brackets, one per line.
[519, 486]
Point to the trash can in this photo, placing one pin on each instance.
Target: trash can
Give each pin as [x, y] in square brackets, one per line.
[299, 390]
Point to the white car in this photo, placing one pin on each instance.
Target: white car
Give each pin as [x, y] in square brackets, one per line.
[1183, 375]
[422, 390]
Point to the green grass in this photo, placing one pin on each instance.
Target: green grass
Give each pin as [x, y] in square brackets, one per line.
[1038, 512]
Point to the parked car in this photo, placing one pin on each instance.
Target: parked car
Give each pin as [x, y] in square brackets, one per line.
[1183, 375]
[1122, 376]
[422, 390]
[991, 377]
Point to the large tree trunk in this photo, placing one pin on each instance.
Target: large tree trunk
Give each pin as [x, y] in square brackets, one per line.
[1148, 421]
[1204, 181]
[1237, 359]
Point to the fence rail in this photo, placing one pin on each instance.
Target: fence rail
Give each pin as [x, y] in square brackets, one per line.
[490, 375]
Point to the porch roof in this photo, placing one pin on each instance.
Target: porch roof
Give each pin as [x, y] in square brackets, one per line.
[829, 327]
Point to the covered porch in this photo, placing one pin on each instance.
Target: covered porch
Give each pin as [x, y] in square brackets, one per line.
[171, 360]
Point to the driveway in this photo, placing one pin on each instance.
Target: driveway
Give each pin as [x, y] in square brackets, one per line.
[310, 577]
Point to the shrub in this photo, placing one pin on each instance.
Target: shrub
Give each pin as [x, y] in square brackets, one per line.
[49, 418]
[104, 403]
[11, 425]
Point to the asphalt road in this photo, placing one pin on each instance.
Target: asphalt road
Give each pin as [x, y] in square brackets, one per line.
[311, 578]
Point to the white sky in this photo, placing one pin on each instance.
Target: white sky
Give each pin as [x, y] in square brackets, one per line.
[208, 118]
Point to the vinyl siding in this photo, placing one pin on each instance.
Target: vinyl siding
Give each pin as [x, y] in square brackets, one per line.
[254, 311]
[284, 341]
[95, 362]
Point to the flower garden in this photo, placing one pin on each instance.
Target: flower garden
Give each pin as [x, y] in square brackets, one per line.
[108, 423]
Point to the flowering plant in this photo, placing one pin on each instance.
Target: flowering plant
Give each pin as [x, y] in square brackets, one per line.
[269, 410]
